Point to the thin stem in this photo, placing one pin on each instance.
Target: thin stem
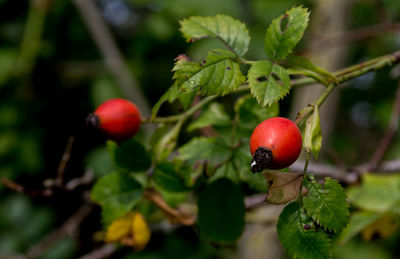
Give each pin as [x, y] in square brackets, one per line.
[307, 162]
[184, 115]
[342, 75]
[356, 70]
[300, 197]
[347, 74]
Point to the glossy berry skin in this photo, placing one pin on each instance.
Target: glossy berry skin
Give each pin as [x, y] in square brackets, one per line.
[118, 119]
[282, 137]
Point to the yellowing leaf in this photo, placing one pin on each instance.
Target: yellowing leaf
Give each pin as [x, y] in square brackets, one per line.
[140, 232]
[385, 226]
[130, 230]
[119, 229]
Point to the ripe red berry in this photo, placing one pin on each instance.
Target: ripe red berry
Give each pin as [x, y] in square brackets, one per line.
[275, 144]
[117, 118]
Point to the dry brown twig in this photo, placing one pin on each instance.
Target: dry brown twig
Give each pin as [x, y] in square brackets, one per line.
[389, 134]
[174, 215]
[64, 161]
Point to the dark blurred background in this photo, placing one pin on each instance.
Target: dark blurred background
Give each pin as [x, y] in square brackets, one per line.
[53, 72]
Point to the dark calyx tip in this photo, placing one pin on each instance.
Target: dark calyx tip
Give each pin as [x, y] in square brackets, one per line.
[92, 120]
[262, 158]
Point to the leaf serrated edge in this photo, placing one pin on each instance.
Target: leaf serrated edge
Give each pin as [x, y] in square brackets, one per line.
[269, 30]
[302, 232]
[262, 103]
[222, 16]
[210, 64]
[313, 216]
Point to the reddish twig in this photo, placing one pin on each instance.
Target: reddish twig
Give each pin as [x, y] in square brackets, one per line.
[389, 134]
[21, 189]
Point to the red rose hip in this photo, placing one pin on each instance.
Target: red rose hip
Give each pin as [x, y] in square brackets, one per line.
[275, 144]
[117, 118]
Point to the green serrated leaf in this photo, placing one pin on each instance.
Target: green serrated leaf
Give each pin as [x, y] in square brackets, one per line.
[326, 204]
[377, 193]
[358, 221]
[303, 66]
[129, 155]
[166, 177]
[231, 32]
[221, 212]
[222, 161]
[312, 140]
[217, 74]
[226, 170]
[215, 115]
[268, 82]
[250, 113]
[297, 241]
[117, 193]
[212, 150]
[285, 32]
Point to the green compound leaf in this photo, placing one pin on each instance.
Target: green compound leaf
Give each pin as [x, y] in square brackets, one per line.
[326, 204]
[167, 178]
[231, 32]
[117, 193]
[212, 150]
[268, 82]
[299, 238]
[377, 193]
[303, 66]
[358, 221]
[129, 155]
[250, 113]
[312, 135]
[222, 161]
[285, 32]
[215, 115]
[217, 74]
[221, 212]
